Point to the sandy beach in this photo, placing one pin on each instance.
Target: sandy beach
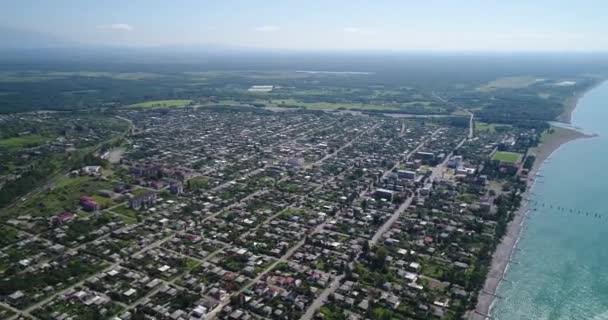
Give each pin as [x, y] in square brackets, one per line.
[504, 251]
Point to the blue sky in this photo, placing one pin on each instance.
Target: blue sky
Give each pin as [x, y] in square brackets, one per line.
[321, 24]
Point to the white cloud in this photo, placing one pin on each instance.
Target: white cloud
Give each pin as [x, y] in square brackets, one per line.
[119, 27]
[267, 28]
[356, 30]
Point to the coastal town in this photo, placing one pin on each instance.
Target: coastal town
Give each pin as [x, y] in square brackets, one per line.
[202, 213]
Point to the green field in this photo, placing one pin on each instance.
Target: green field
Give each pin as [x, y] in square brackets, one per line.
[508, 83]
[488, 127]
[161, 104]
[508, 157]
[128, 215]
[23, 141]
[65, 195]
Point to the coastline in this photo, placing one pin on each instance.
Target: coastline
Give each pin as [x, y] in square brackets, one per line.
[571, 103]
[507, 247]
[504, 251]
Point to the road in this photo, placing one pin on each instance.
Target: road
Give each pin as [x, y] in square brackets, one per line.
[348, 144]
[320, 300]
[461, 108]
[335, 284]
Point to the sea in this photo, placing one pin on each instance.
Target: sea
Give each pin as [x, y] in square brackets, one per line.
[560, 269]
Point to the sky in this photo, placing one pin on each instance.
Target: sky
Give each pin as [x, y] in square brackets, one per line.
[488, 25]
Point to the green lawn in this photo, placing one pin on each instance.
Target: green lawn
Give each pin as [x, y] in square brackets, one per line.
[509, 157]
[162, 104]
[23, 141]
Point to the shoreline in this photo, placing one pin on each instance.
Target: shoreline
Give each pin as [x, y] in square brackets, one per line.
[507, 247]
[571, 103]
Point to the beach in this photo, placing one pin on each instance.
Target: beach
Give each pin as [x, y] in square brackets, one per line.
[501, 258]
[507, 246]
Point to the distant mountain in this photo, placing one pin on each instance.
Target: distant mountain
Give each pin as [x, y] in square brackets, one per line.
[12, 38]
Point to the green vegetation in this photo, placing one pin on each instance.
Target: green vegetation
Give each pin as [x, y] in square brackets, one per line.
[289, 213]
[72, 269]
[128, 215]
[198, 183]
[78, 310]
[508, 157]
[488, 127]
[25, 141]
[331, 312]
[40, 76]
[162, 104]
[509, 83]
[63, 196]
[323, 105]
[8, 235]
[5, 313]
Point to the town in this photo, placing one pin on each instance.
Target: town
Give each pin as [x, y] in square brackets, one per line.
[203, 213]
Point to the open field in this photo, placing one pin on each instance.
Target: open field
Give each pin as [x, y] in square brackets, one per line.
[161, 104]
[509, 157]
[488, 127]
[23, 141]
[508, 83]
[63, 196]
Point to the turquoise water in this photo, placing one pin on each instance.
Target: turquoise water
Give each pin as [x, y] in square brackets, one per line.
[563, 265]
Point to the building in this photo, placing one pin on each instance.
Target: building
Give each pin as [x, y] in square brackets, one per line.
[455, 162]
[92, 170]
[144, 201]
[384, 194]
[176, 187]
[430, 156]
[295, 162]
[260, 88]
[62, 218]
[89, 204]
[406, 174]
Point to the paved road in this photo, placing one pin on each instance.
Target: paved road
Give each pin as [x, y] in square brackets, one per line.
[348, 144]
[335, 284]
[461, 108]
[320, 300]
[391, 220]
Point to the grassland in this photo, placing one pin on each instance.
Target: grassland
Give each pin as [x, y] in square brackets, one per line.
[161, 104]
[25, 141]
[508, 157]
[63, 196]
[487, 127]
[508, 83]
[128, 215]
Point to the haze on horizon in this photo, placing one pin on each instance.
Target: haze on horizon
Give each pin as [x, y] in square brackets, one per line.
[485, 25]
